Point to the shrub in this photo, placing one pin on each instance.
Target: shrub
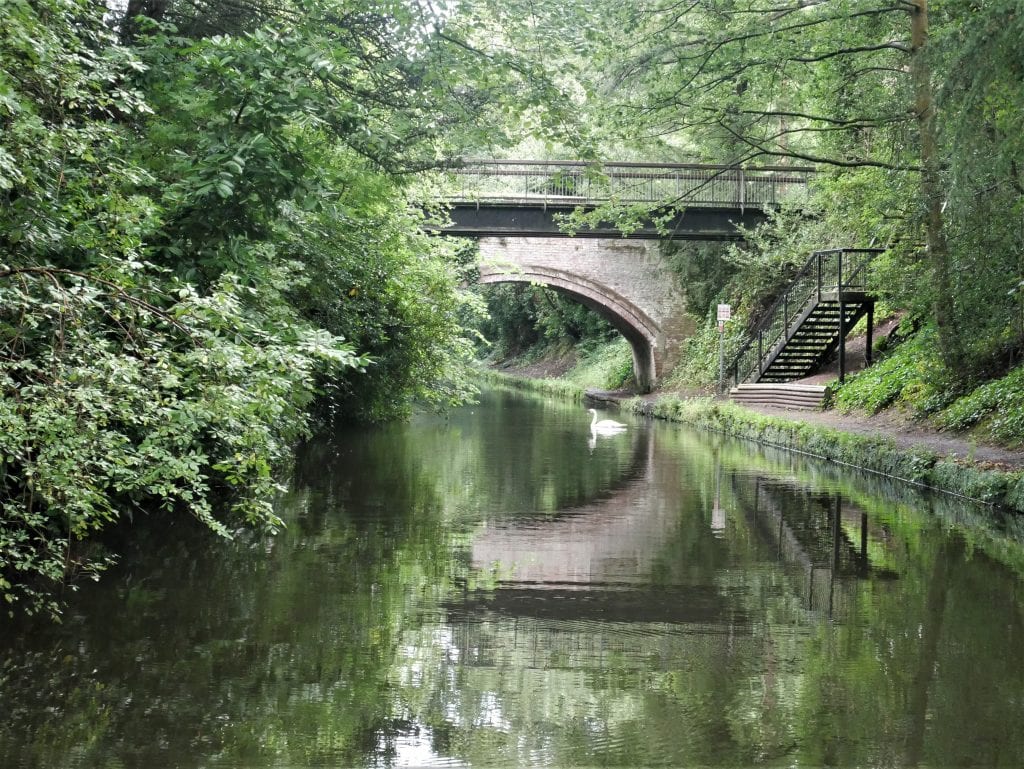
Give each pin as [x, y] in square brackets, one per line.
[997, 406]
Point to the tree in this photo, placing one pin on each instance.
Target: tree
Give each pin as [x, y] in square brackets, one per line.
[170, 195]
[873, 94]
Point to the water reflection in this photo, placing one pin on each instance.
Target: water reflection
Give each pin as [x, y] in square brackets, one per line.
[493, 589]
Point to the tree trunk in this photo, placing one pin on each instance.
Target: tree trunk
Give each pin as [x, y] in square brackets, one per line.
[153, 9]
[932, 198]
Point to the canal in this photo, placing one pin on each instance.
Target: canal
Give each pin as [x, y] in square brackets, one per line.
[498, 587]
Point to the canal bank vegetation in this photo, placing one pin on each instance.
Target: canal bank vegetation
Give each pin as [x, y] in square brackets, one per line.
[874, 453]
[532, 331]
[206, 241]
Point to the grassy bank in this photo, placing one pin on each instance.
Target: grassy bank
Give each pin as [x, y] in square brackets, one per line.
[556, 387]
[607, 365]
[876, 454]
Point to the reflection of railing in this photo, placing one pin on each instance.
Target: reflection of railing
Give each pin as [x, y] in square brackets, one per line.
[814, 533]
[836, 271]
[578, 183]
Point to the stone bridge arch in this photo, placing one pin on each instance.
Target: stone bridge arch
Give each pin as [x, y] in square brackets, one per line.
[625, 281]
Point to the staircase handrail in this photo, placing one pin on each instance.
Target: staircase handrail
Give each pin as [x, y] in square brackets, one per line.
[787, 301]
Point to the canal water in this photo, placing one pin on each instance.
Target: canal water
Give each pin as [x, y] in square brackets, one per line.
[500, 588]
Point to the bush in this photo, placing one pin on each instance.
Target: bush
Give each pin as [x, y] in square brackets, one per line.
[910, 374]
[997, 407]
[113, 406]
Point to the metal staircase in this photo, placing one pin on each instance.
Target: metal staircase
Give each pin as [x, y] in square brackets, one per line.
[810, 321]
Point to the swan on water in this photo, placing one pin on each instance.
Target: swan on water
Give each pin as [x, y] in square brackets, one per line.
[605, 425]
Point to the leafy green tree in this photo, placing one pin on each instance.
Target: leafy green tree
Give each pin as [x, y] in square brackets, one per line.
[903, 107]
[195, 208]
[524, 319]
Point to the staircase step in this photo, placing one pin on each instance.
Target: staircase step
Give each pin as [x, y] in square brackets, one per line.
[791, 396]
[812, 335]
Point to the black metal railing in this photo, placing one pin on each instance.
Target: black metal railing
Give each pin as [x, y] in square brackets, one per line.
[579, 183]
[836, 270]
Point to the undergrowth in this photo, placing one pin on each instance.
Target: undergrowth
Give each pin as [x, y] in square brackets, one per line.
[995, 409]
[906, 376]
[607, 365]
[912, 376]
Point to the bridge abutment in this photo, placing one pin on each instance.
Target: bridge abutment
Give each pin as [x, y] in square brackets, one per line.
[625, 281]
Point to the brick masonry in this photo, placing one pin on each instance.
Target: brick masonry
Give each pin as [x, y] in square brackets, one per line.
[626, 281]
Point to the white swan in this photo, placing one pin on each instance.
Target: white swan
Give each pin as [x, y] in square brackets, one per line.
[605, 426]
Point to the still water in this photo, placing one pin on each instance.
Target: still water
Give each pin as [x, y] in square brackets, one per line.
[497, 588]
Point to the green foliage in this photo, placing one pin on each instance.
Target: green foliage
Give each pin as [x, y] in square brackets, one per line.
[997, 407]
[607, 366]
[510, 327]
[906, 375]
[113, 406]
[525, 319]
[190, 223]
[699, 364]
[366, 273]
[702, 270]
[911, 376]
[982, 128]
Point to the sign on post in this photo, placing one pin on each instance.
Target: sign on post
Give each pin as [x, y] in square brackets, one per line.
[724, 314]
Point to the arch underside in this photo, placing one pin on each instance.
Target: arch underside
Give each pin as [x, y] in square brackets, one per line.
[635, 325]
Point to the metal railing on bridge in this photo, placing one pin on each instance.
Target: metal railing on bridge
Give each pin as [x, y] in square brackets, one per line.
[575, 183]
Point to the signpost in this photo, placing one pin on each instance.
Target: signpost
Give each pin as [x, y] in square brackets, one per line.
[724, 314]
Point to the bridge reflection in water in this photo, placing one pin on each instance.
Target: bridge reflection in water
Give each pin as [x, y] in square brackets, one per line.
[594, 564]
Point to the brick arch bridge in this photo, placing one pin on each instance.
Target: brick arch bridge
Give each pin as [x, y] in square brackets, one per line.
[516, 209]
[624, 281]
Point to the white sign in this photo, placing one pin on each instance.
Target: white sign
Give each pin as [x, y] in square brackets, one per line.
[725, 312]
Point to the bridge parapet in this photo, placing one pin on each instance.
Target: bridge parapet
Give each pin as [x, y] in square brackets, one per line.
[576, 183]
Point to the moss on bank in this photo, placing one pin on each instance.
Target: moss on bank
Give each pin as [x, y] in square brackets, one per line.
[876, 454]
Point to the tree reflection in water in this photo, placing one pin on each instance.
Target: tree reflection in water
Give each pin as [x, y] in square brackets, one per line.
[487, 589]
